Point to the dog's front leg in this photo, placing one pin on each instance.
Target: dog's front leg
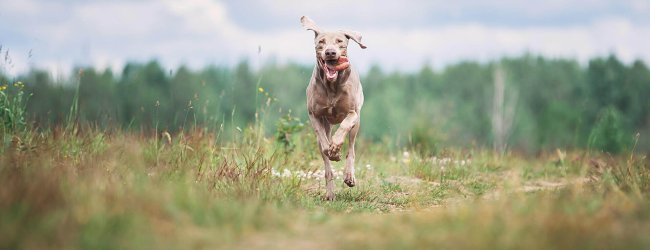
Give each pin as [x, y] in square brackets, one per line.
[322, 130]
[337, 140]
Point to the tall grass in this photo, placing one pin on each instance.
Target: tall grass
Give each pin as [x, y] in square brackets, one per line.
[95, 189]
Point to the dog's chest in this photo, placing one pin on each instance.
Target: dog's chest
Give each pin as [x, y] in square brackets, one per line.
[334, 108]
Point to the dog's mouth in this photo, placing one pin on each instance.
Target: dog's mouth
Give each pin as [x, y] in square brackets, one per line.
[332, 67]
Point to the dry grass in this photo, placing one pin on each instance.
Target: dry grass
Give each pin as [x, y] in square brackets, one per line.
[111, 189]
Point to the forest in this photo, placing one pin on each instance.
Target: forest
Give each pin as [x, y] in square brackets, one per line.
[527, 103]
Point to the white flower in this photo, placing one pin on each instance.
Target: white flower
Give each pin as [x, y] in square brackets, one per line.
[286, 173]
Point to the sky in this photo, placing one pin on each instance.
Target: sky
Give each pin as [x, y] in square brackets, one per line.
[400, 35]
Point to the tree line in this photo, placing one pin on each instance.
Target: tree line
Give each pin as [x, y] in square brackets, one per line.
[528, 103]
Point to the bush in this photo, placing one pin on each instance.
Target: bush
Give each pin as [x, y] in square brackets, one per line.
[287, 126]
[425, 139]
[608, 135]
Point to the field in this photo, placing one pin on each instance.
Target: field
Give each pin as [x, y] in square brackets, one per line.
[109, 189]
[184, 125]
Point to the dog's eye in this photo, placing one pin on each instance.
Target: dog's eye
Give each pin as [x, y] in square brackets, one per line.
[321, 41]
[339, 41]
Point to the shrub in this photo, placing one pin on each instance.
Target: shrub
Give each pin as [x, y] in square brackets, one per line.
[608, 135]
[288, 125]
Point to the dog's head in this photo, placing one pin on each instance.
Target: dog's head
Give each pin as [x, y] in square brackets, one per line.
[331, 47]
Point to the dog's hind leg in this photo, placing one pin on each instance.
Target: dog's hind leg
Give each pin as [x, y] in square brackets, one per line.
[350, 180]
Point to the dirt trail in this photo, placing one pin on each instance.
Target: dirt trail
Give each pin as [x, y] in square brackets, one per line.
[540, 185]
[464, 195]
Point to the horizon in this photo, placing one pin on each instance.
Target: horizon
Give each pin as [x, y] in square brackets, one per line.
[257, 66]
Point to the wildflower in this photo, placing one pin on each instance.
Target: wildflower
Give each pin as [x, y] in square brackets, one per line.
[275, 173]
[286, 173]
[261, 90]
[3, 87]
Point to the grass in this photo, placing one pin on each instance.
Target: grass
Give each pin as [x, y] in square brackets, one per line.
[93, 189]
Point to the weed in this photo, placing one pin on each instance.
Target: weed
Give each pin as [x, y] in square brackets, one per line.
[286, 127]
[12, 108]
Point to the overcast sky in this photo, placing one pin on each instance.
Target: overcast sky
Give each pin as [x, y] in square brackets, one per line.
[400, 35]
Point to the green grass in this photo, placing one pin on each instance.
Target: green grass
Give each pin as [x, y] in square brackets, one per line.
[116, 190]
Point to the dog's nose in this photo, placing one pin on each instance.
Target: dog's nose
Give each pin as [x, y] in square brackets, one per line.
[330, 52]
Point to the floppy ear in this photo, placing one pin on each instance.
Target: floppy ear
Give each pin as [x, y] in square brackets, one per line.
[355, 36]
[309, 24]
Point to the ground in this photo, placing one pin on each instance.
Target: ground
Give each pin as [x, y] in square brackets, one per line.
[111, 189]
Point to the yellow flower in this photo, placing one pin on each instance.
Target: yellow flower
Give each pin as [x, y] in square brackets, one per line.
[3, 87]
[261, 90]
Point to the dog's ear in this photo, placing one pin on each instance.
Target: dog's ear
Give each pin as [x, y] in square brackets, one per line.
[355, 36]
[310, 25]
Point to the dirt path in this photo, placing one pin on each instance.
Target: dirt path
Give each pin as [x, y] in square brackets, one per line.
[411, 184]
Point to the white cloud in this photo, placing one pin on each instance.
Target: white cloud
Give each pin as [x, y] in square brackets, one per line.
[198, 32]
[204, 16]
[445, 45]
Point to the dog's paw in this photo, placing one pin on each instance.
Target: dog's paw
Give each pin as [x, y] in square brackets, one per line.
[330, 156]
[350, 180]
[336, 157]
[330, 197]
[334, 152]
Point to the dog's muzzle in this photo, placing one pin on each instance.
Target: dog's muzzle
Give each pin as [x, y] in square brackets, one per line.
[332, 67]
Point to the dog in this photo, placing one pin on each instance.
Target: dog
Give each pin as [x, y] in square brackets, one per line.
[334, 96]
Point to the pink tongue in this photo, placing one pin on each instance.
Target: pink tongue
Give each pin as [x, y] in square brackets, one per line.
[331, 73]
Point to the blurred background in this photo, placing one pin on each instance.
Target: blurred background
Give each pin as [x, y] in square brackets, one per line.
[520, 75]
